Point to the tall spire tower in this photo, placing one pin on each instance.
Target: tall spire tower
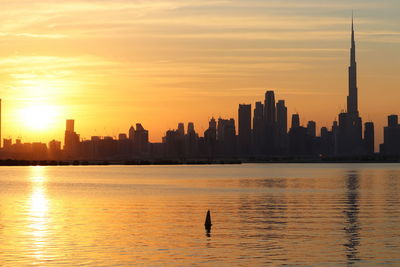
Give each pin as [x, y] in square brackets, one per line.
[349, 138]
[352, 98]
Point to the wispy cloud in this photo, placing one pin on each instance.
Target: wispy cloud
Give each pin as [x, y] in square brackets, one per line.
[33, 35]
[55, 19]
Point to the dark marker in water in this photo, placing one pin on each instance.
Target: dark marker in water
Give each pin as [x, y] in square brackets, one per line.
[207, 223]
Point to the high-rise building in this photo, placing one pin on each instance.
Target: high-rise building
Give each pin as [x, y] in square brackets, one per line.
[71, 141]
[393, 120]
[244, 129]
[210, 138]
[124, 145]
[190, 127]
[55, 150]
[7, 143]
[349, 134]
[131, 133]
[213, 123]
[281, 124]
[270, 132]
[210, 134]
[226, 136]
[122, 136]
[172, 145]
[326, 142]
[391, 137]
[181, 129]
[70, 125]
[335, 137]
[258, 128]
[369, 137]
[311, 128]
[350, 124]
[352, 98]
[300, 143]
[269, 108]
[295, 120]
[191, 141]
[140, 140]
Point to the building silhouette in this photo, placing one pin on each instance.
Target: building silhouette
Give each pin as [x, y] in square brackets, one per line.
[391, 137]
[312, 129]
[140, 140]
[210, 140]
[244, 136]
[226, 137]
[350, 123]
[281, 126]
[191, 142]
[369, 138]
[258, 129]
[295, 120]
[270, 131]
[54, 150]
[299, 140]
[71, 141]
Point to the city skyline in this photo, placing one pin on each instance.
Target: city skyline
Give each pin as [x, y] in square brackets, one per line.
[323, 54]
[263, 136]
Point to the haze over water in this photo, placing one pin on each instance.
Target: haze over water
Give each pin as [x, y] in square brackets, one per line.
[294, 214]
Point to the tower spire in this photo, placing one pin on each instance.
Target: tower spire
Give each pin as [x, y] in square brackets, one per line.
[352, 99]
[352, 20]
[352, 28]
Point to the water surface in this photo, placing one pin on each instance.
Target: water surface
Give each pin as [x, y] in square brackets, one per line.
[263, 214]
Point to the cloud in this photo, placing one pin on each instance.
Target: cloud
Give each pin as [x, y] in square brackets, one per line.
[34, 35]
[173, 18]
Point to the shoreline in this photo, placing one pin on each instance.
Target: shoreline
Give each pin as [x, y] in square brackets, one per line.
[11, 162]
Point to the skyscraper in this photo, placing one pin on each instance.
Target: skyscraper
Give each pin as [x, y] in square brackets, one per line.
[393, 120]
[244, 129]
[131, 133]
[350, 124]
[140, 140]
[181, 129]
[369, 137]
[281, 124]
[258, 128]
[190, 128]
[311, 128]
[269, 108]
[299, 141]
[352, 98]
[295, 121]
[226, 136]
[391, 137]
[210, 136]
[191, 140]
[71, 141]
[70, 126]
[270, 123]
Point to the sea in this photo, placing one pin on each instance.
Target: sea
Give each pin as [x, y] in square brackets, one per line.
[262, 215]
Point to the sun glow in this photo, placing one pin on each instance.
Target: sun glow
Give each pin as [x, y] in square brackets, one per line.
[38, 213]
[39, 117]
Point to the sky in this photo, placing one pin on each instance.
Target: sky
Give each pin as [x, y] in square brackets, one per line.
[111, 64]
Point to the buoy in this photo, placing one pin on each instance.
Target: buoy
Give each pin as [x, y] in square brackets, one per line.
[207, 223]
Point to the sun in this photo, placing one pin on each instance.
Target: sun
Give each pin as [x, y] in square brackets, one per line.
[39, 117]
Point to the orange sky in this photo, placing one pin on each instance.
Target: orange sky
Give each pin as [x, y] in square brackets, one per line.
[110, 64]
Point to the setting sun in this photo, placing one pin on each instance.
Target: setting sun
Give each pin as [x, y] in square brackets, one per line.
[38, 118]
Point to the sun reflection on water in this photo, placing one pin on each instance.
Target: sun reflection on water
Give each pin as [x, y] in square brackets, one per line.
[38, 212]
